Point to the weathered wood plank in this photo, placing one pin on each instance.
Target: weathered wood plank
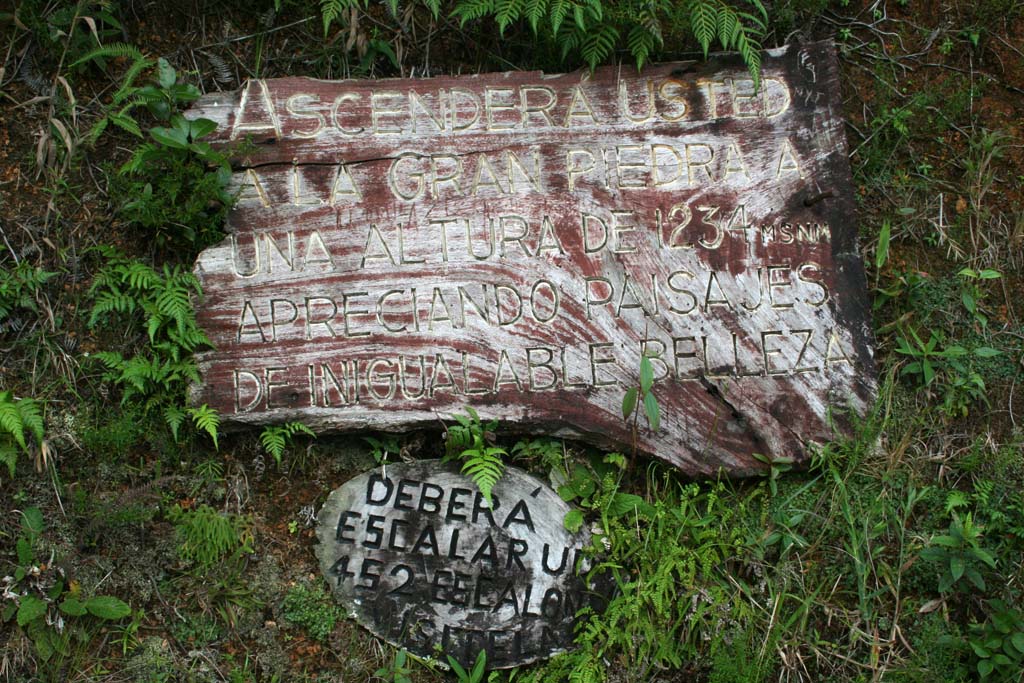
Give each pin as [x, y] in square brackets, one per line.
[515, 241]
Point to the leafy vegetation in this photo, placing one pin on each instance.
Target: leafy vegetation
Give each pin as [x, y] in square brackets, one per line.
[472, 442]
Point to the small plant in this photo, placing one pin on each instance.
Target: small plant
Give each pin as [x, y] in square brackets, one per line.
[998, 643]
[642, 395]
[313, 609]
[162, 371]
[776, 467]
[19, 287]
[971, 293]
[177, 185]
[381, 448]
[959, 555]
[162, 97]
[207, 536]
[474, 675]
[398, 671]
[960, 384]
[52, 612]
[20, 418]
[472, 442]
[276, 438]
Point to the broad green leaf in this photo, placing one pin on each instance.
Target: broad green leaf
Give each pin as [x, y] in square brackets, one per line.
[622, 504]
[1017, 640]
[24, 552]
[478, 667]
[652, 411]
[629, 403]
[987, 352]
[107, 607]
[929, 371]
[985, 668]
[32, 522]
[202, 127]
[170, 137]
[457, 668]
[956, 567]
[30, 608]
[985, 557]
[646, 375]
[573, 520]
[882, 254]
[73, 607]
[166, 75]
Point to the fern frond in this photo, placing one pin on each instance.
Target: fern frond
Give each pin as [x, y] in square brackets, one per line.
[31, 416]
[128, 80]
[506, 12]
[468, 10]
[640, 43]
[534, 11]
[273, 441]
[484, 467]
[10, 419]
[703, 22]
[330, 10]
[174, 416]
[111, 51]
[598, 44]
[558, 11]
[434, 6]
[206, 419]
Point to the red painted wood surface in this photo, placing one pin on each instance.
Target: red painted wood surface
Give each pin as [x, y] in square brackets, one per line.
[514, 241]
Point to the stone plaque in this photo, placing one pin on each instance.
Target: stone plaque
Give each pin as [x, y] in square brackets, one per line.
[516, 241]
[416, 554]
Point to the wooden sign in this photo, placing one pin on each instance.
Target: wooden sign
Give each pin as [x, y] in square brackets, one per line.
[419, 557]
[516, 241]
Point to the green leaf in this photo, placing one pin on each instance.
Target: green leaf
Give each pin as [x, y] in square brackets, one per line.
[646, 375]
[652, 411]
[25, 555]
[573, 520]
[987, 352]
[985, 668]
[32, 522]
[985, 556]
[107, 607]
[479, 666]
[29, 609]
[882, 255]
[170, 137]
[625, 503]
[457, 668]
[1017, 640]
[929, 371]
[629, 402]
[72, 607]
[956, 567]
[166, 75]
[201, 127]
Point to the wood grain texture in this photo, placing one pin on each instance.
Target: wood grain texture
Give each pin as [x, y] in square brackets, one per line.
[515, 241]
